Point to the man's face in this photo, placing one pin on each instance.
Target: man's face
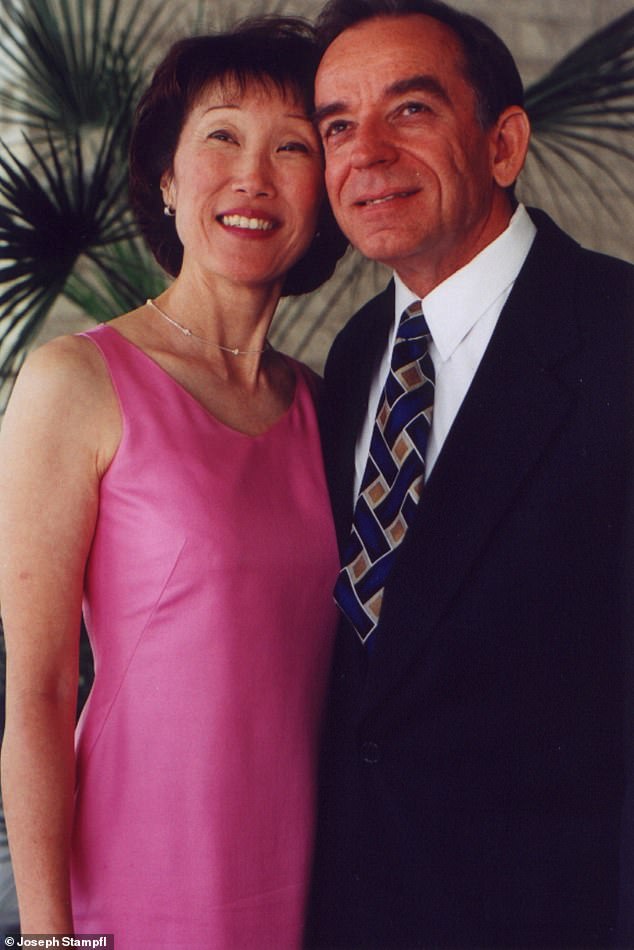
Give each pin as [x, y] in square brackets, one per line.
[409, 170]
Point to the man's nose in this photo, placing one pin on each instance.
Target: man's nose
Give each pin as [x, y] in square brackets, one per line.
[373, 145]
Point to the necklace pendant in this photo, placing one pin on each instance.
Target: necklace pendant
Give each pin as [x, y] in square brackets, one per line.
[236, 352]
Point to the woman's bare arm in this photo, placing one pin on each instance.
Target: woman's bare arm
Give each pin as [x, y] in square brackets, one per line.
[58, 436]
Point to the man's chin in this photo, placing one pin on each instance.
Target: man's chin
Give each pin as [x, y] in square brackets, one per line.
[384, 252]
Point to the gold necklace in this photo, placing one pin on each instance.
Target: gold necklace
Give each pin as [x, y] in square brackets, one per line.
[187, 332]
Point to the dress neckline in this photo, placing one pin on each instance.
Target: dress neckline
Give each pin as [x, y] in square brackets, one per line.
[196, 402]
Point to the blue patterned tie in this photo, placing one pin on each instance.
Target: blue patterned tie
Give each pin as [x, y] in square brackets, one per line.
[393, 477]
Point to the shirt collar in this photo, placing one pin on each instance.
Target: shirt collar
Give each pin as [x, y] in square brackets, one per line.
[454, 307]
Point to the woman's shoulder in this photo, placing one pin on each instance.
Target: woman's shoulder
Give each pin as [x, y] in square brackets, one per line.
[65, 368]
[71, 363]
[63, 393]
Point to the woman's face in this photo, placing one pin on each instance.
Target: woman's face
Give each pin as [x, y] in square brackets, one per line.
[246, 183]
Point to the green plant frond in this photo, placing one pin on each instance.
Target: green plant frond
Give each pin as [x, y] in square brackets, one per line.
[34, 307]
[72, 63]
[24, 305]
[582, 119]
[618, 121]
[555, 180]
[142, 33]
[91, 300]
[51, 214]
[108, 195]
[72, 72]
[7, 379]
[570, 192]
[604, 51]
[355, 279]
[599, 71]
[593, 147]
[18, 291]
[129, 274]
[59, 194]
[572, 168]
[18, 326]
[28, 216]
[116, 281]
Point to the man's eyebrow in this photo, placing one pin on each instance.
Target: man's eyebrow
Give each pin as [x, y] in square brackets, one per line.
[420, 83]
[333, 108]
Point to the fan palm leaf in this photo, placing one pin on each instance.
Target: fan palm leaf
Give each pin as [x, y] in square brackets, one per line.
[305, 326]
[72, 69]
[115, 281]
[595, 79]
[582, 118]
[52, 211]
[70, 64]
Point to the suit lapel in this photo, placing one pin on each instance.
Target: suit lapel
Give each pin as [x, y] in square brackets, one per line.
[514, 406]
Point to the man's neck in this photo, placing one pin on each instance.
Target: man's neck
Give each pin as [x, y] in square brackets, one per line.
[422, 273]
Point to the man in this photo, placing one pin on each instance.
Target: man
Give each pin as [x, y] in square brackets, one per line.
[474, 765]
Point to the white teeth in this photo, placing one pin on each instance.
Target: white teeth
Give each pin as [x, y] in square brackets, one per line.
[380, 201]
[251, 224]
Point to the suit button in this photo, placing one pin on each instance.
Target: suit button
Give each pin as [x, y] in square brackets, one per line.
[370, 753]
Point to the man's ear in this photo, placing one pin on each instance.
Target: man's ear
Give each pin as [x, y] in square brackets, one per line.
[509, 143]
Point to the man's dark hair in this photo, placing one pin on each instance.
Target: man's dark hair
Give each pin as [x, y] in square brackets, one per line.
[488, 64]
[276, 52]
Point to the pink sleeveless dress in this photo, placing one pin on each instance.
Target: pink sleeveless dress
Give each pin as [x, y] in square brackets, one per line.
[209, 608]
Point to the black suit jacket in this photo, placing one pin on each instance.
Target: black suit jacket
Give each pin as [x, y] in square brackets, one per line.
[474, 767]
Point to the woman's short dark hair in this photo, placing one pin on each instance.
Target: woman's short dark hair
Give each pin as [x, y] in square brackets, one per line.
[488, 64]
[277, 51]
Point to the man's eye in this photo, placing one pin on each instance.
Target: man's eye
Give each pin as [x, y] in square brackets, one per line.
[334, 128]
[413, 108]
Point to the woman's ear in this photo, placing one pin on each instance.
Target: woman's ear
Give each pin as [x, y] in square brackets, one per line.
[509, 138]
[167, 190]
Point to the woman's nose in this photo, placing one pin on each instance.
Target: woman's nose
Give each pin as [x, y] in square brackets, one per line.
[255, 177]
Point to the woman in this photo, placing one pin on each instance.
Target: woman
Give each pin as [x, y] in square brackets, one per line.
[165, 468]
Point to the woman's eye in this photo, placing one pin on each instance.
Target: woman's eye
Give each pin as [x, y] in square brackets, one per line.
[294, 147]
[220, 135]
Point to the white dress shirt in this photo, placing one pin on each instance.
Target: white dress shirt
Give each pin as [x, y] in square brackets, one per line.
[461, 314]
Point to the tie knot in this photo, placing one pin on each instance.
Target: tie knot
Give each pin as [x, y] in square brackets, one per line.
[412, 325]
[415, 309]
